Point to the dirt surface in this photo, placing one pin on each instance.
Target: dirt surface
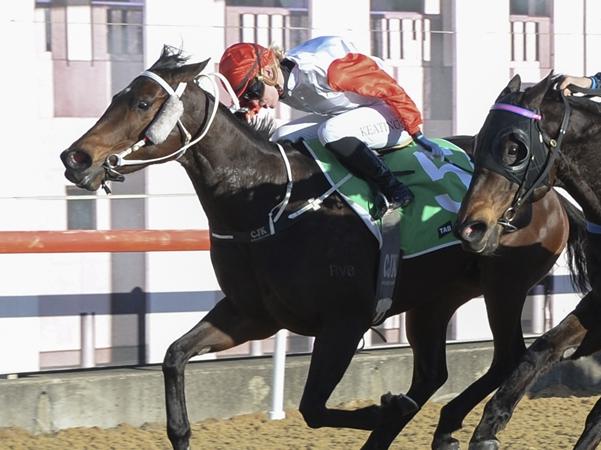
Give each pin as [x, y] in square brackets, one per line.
[538, 424]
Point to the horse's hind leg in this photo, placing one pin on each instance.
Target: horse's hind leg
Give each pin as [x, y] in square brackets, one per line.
[546, 350]
[333, 350]
[222, 328]
[504, 315]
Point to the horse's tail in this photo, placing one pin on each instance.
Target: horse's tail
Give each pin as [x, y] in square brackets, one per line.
[576, 245]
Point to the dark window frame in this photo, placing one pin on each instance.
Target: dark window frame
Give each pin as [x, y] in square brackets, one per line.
[81, 214]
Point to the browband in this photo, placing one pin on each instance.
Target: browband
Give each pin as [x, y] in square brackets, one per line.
[516, 110]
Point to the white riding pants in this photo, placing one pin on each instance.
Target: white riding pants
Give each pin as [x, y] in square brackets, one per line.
[376, 125]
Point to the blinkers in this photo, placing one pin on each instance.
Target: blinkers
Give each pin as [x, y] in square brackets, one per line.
[530, 169]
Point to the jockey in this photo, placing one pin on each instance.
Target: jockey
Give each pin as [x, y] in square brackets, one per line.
[354, 105]
[593, 82]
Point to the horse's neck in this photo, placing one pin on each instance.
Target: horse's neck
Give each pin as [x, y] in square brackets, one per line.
[239, 178]
[580, 163]
[577, 174]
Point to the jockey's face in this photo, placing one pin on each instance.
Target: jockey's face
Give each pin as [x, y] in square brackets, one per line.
[259, 94]
[270, 97]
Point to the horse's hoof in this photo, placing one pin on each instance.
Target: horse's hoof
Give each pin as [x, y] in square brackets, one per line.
[488, 444]
[401, 403]
[446, 442]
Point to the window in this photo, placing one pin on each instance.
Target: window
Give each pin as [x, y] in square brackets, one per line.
[47, 30]
[125, 31]
[269, 3]
[267, 25]
[97, 48]
[398, 5]
[81, 214]
[538, 8]
[400, 36]
[43, 18]
[531, 41]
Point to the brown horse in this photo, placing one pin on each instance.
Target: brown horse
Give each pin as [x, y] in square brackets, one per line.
[531, 140]
[314, 276]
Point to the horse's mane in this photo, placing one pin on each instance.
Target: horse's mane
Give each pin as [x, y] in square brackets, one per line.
[171, 58]
[585, 103]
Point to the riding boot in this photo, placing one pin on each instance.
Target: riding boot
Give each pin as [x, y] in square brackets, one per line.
[364, 163]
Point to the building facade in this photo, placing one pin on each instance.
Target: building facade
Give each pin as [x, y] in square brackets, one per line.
[65, 59]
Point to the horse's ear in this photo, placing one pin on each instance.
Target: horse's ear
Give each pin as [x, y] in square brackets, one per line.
[533, 97]
[513, 86]
[190, 71]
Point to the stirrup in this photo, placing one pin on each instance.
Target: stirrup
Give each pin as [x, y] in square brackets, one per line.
[380, 206]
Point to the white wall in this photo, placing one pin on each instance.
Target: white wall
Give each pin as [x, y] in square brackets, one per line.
[592, 17]
[351, 21]
[482, 56]
[471, 322]
[569, 41]
[195, 25]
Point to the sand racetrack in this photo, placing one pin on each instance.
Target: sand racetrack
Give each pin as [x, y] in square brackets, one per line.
[543, 423]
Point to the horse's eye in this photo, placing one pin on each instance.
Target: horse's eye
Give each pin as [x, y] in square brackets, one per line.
[144, 105]
[515, 153]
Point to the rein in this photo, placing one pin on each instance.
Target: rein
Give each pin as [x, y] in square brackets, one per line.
[553, 148]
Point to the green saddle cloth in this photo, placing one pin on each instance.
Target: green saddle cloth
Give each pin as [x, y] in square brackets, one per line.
[438, 186]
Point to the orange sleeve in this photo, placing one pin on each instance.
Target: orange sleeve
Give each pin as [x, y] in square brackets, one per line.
[360, 74]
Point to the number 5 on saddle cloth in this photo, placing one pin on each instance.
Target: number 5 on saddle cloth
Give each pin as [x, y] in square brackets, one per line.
[422, 227]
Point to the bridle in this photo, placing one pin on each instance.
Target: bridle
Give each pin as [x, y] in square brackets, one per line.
[542, 151]
[172, 117]
[116, 160]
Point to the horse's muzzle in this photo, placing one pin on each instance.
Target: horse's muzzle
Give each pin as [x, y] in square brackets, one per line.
[473, 235]
[79, 170]
[76, 160]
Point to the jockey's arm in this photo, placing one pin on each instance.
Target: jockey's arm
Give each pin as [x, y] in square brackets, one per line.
[360, 74]
[592, 82]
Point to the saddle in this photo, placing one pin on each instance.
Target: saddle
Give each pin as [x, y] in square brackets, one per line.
[438, 186]
[424, 226]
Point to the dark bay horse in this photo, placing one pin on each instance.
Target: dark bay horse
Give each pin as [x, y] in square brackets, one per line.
[531, 140]
[315, 276]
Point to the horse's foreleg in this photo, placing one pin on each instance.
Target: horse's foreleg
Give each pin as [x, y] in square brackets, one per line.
[546, 350]
[333, 350]
[426, 330]
[222, 328]
[591, 436]
[504, 314]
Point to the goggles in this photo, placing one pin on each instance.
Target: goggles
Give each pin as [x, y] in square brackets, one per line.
[254, 90]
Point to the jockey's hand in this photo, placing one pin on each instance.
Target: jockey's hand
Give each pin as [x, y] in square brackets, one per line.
[583, 82]
[241, 114]
[248, 110]
[435, 150]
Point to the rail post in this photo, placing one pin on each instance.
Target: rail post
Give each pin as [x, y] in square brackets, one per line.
[88, 340]
[279, 366]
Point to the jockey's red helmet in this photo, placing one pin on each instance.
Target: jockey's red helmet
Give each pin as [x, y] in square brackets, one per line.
[241, 63]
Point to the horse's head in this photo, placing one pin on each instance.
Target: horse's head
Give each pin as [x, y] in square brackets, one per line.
[144, 124]
[514, 159]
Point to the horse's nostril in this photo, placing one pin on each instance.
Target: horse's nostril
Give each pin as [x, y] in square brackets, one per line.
[77, 160]
[473, 231]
